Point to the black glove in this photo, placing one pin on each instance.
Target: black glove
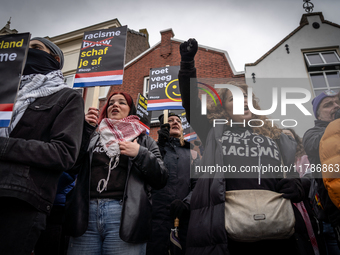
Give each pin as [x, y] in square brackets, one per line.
[291, 188]
[179, 209]
[188, 50]
[337, 114]
[164, 134]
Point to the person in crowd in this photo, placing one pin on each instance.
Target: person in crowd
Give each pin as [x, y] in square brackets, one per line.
[228, 145]
[325, 106]
[301, 159]
[109, 209]
[309, 238]
[172, 201]
[42, 141]
[329, 156]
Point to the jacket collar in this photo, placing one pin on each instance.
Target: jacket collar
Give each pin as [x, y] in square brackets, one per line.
[321, 123]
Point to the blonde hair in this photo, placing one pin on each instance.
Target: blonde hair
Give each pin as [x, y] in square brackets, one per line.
[219, 112]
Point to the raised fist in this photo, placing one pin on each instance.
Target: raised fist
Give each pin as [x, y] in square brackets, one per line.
[188, 50]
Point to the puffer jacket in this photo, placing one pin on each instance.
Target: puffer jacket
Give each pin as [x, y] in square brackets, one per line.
[311, 142]
[44, 143]
[145, 171]
[330, 155]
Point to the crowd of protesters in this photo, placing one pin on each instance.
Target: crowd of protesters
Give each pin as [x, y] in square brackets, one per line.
[96, 183]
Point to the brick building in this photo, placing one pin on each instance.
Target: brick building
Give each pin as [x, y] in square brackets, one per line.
[210, 63]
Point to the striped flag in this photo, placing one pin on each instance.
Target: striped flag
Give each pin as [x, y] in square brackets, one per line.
[5, 114]
[98, 79]
[161, 104]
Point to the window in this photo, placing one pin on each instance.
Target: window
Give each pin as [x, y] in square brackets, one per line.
[146, 86]
[323, 68]
[322, 58]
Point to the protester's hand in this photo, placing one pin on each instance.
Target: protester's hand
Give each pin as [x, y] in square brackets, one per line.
[337, 114]
[188, 50]
[291, 188]
[178, 208]
[92, 116]
[164, 134]
[130, 149]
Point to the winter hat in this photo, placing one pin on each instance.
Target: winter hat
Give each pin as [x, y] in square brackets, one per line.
[53, 48]
[317, 100]
[161, 117]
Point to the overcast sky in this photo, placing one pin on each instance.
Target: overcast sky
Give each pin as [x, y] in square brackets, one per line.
[246, 29]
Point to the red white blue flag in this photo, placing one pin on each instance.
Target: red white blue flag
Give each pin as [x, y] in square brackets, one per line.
[5, 114]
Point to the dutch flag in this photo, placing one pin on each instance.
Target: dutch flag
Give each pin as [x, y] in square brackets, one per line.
[5, 114]
[98, 79]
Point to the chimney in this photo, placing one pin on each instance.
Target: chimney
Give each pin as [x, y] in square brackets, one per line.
[166, 42]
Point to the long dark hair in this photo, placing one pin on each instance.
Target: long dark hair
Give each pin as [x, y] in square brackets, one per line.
[129, 100]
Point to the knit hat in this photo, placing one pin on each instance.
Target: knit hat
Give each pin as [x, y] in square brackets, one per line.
[53, 48]
[161, 117]
[317, 100]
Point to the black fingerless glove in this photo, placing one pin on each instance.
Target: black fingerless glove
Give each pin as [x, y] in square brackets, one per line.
[188, 50]
[163, 134]
[291, 188]
[179, 209]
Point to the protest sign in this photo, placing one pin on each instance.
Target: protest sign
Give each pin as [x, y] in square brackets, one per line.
[142, 113]
[188, 132]
[163, 89]
[102, 57]
[13, 53]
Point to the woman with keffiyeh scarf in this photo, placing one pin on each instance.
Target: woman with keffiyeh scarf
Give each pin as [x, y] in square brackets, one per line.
[116, 174]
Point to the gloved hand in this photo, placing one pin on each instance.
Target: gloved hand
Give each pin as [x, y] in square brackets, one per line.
[337, 114]
[291, 188]
[178, 208]
[164, 134]
[188, 50]
[337, 234]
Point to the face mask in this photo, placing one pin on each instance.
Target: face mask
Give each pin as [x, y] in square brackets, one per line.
[40, 62]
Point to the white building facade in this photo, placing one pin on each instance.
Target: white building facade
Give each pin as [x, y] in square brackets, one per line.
[306, 61]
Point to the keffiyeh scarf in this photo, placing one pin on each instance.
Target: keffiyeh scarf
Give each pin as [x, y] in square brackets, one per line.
[32, 87]
[111, 133]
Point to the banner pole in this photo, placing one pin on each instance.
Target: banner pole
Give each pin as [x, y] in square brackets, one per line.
[166, 114]
[95, 97]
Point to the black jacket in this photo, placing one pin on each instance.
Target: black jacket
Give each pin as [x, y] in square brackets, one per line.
[146, 170]
[177, 160]
[44, 143]
[206, 233]
[179, 185]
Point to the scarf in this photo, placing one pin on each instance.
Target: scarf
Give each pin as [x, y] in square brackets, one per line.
[111, 133]
[32, 87]
[40, 62]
